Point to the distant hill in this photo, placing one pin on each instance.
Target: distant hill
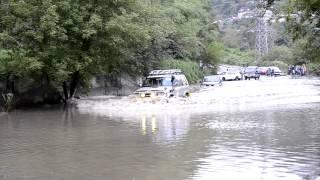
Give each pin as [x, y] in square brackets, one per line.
[224, 9]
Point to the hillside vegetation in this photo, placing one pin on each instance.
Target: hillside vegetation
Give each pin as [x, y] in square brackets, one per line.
[59, 45]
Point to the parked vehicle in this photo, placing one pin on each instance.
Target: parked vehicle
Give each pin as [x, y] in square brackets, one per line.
[226, 76]
[275, 71]
[164, 83]
[251, 72]
[263, 70]
[211, 81]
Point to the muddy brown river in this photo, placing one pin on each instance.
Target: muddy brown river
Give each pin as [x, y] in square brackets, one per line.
[235, 141]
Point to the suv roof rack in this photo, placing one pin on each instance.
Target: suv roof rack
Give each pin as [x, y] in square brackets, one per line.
[165, 72]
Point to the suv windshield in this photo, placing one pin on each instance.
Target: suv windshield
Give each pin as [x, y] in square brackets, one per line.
[159, 81]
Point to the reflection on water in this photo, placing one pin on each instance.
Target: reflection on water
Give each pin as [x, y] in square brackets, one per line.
[165, 128]
[56, 144]
[154, 128]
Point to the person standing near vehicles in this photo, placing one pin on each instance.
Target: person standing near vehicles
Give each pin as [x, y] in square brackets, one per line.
[296, 70]
[242, 73]
[293, 70]
[304, 68]
[269, 72]
[289, 69]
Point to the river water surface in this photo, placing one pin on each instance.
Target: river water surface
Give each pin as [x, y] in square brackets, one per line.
[254, 135]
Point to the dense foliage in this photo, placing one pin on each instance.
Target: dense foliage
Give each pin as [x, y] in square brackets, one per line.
[306, 26]
[299, 34]
[62, 43]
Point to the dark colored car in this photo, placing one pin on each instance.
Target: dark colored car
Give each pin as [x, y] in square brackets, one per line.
[251, 72]
[263, 70]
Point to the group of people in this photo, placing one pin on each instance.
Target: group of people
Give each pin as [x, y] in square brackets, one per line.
[270, 72]
[300, 70]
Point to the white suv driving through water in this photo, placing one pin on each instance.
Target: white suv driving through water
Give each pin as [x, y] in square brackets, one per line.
[164, 83]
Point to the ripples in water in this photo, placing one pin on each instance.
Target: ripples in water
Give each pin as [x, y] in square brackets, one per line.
[198, 143]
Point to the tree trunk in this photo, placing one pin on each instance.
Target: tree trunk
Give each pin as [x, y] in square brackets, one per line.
[8, 96]
[10, 84]
[65, 91]
[74, 83]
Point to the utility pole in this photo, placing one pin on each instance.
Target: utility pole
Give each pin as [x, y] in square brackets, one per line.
[262, 46]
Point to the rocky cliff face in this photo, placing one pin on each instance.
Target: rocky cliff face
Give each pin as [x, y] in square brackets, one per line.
[224, 9]
[116, 85]
[31, 93]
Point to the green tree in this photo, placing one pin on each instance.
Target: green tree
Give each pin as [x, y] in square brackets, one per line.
[212, 57]
[65, 38]
[61, 44]
[235, 56]
[304, 23]
[280, 53]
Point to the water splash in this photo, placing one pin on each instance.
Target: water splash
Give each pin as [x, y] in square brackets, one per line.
[268, 93]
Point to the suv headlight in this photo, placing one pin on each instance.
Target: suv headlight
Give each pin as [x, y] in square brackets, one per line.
[142, 95]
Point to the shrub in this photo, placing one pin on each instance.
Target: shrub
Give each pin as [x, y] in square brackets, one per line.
[236, 57]
[314, 68]
[190, 68]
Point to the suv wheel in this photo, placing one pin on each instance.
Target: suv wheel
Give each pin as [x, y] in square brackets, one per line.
[223, 79]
